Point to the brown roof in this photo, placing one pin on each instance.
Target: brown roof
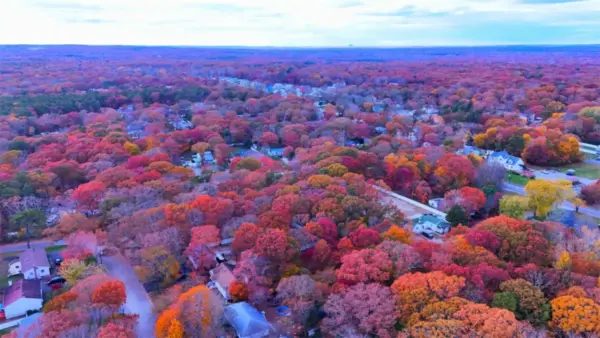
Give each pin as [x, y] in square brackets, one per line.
[23, 288]
[222, 275]
[33, 257]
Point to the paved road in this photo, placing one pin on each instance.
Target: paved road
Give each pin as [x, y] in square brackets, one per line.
[21, 246]
[555, 175]
[515, 189]
[138, 301]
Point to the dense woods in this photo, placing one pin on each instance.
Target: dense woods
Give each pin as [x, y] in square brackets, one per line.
[280, 159]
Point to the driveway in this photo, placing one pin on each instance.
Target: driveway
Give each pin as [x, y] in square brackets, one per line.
[138, 301]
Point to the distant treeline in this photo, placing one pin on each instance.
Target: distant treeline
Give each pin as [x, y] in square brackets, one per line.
[93, 100]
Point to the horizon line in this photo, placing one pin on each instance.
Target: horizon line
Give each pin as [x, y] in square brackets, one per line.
[304, 47]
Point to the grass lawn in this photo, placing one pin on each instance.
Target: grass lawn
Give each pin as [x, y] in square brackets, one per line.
[4, 280]
[55, 248]
[516, 179]
[585, 170]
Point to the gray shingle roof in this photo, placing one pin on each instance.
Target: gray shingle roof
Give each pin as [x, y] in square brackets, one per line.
[246, 319]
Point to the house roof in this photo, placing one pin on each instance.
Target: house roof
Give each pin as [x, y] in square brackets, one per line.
[222, 275]
[33, 258]
[505, 156]
[23, 288]
[431, 219]
[246, 320]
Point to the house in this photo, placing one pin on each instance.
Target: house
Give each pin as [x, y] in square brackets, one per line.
[468, 150]
[222, 277]
[14, 268]
[22, 296]
[208, 158]
[277, 152]
[34, 263]
[437, 203]
[431, 225]
[509, 162]
[247, 321]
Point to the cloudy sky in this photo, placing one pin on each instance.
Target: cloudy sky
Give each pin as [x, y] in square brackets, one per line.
[300, 22]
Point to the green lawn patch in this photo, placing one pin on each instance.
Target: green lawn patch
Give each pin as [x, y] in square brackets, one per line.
[4, 280]
[516, 179]
[585, 170]
[55, 248]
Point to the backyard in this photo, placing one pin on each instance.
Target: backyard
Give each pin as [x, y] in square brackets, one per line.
[516, 179]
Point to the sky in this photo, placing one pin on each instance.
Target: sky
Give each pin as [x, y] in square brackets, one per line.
[298, 23]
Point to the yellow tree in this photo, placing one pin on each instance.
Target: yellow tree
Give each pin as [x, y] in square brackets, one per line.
[131, 148]
[396, 233]
[564, 261]
[196, 312]
[543, 194]
[575, 315]
[175, 329]
[514, 206]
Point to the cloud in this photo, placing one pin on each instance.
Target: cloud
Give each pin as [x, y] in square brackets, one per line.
[220, 7]
[66, 6]
[545, 2]
[92, 21]
[350, 4]
[301, 22]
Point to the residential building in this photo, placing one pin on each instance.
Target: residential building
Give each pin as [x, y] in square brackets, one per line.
[437, 203]
[509, 162]
[22, 296]
[467, 150]
[222, 277]
[277, 152]
[431, 224]
[14, 268]
[34, 263]
[247, 321]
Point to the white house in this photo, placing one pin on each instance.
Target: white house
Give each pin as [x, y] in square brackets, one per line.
[431, 225]
[509, 162]
[34, 263]
[14, 268]
[22, 296]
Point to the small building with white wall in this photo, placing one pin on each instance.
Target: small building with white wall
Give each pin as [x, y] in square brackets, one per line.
[22, 296]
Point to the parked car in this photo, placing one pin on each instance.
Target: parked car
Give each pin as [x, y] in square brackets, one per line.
[528, 174]
[570, 172]
[426, 235]
[56, 280]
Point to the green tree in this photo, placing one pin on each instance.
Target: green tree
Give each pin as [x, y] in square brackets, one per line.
[457, 215]
[505, 300]
[515, 146]
[32, 221]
